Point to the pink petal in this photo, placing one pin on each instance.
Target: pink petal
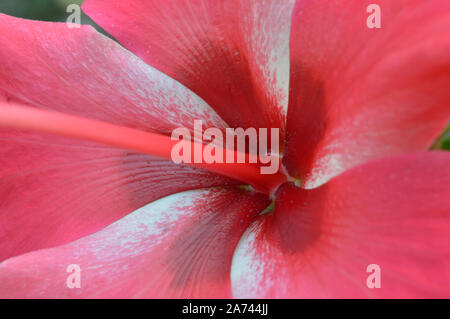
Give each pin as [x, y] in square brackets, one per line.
[393, 212]
[234, 54]
[357, 93]
[82, 72]
[179, 246]
[54, 190]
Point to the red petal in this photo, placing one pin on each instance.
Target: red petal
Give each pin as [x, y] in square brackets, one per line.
[54, 190]
[234, 54]
[81, 72]
[318, 243]
[357, 93]
[179, 246]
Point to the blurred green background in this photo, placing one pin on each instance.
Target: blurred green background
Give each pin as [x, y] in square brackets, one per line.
[444, 141]
[46, 10]
[55, 10]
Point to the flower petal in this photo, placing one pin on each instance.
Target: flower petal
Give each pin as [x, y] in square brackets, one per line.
[178, 246]
[394, 213]
[81, 72]
[54, 190]
[234, 54]
[357, 93]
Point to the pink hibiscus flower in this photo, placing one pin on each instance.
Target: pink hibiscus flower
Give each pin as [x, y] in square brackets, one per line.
[83, 120]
